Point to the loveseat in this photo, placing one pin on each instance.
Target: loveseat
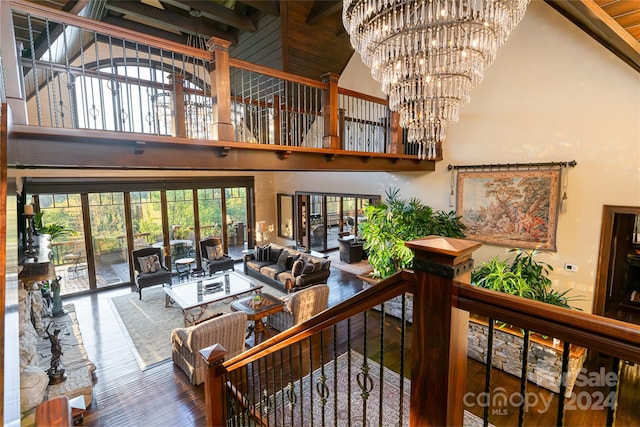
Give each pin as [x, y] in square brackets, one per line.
[276, 265]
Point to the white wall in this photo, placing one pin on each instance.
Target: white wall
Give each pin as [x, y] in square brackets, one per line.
[553, 94]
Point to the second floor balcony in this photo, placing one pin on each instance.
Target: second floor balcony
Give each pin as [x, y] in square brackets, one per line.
[88, 94]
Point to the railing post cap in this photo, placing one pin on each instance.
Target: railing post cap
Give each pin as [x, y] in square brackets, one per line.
[216, 43]
[330, 77]
[443, 246]
[213, 354]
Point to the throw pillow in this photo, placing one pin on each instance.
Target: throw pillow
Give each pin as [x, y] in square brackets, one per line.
[282, 259]
[297, 267]
[263, 253]
[308, 268]
[291, 260]
[274, 255]
[317, 265]
[149, 264]
[215, 252]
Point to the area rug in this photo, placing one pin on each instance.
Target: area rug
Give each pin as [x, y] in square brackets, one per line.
[148, 323]
[358, 268]
[352, 409]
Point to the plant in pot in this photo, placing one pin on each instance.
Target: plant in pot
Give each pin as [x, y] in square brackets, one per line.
[395, 221]
[53, 230]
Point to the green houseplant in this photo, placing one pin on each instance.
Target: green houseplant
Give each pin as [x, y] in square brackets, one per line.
[395, 221]
[54, 230]
[523, 276]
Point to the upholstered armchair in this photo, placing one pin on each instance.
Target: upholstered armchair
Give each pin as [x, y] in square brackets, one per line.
[149, 268]
[212, 257]
[227, 330]
[300, 306]
[350, 249]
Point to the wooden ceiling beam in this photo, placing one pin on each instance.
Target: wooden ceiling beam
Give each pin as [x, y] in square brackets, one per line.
[271, 7]
[147, 29]
[590, 17]
[322, 10]
[168, 20]
[216, 13]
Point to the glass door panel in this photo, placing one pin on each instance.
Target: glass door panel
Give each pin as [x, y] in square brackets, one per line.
[349, 214]
[236, 210]
[317, 229]
[210, 212]
[333, 221]
[69, 253]
[181, 224]
[146, 218]
[109, 236]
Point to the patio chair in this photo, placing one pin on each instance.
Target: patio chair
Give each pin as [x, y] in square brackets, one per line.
[149, 268]
[213, 260]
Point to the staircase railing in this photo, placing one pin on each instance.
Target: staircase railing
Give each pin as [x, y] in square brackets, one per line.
[306, 372]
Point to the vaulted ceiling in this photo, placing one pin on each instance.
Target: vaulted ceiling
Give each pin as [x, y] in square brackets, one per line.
[307, 37]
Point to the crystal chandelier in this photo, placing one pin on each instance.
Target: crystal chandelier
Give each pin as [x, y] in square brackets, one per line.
[428, 55]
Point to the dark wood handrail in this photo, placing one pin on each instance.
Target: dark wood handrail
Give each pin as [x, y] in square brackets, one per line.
[598, 333]
[238, 63]
[390, 287]
[360, 95]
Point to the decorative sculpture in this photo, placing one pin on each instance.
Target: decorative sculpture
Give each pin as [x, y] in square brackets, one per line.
[56, 374]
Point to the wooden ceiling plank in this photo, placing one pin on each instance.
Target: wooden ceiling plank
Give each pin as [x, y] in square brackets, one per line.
[268, 6]
[169, 20]
[590, 17]
[322, 10]
[141, 28]
[217, 13]
[630, 19]
[618, 8]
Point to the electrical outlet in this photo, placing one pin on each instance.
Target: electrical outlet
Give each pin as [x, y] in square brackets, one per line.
[571, 267]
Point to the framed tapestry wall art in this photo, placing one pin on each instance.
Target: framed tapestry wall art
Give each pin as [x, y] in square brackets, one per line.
[517, 208]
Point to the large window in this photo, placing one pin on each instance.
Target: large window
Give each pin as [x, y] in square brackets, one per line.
[118, 218]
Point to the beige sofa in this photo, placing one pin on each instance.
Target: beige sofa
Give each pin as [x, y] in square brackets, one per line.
[300, 306]
[227, 330]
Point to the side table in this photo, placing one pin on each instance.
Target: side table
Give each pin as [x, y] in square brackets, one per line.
[183, 267]
[269, 305]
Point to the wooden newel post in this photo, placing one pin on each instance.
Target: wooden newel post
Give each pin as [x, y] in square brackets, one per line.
[331, 139]
[221, 90]
[214, 388]
[439, 349]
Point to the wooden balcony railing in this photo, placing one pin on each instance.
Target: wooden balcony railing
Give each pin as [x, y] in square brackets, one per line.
[267, 383]
[74, 73]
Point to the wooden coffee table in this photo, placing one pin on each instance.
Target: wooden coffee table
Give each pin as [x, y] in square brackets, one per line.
[195, 296]
[270, 305]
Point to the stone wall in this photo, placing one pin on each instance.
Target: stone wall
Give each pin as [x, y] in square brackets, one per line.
[544, 360]
[35, 356]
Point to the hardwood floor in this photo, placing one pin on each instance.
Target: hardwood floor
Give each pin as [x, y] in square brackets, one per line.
[162, 396]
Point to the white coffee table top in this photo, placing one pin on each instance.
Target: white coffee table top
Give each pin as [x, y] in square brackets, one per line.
[204, 291]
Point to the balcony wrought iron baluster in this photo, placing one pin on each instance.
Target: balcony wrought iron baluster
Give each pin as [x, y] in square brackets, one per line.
[103, 107]
[363, 376]
[170, 123]
[50, 79]
[381, 350]
[335, 375]
[349, 370]
[83, 84]
[523, 377]
[72, 100]
[564, 376]
[128, 99]
[403, 336]
[487, 372]
[34, 71]
[611, 408]
[311, 400]
[321, 385]
[282, 391]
